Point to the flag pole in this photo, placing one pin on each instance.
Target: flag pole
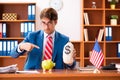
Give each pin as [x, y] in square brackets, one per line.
[96, 69]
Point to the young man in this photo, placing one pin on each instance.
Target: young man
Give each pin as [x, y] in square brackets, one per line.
[34, 44]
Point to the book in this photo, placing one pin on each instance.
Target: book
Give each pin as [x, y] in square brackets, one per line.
[100, 35]
[86, 34]
[86, 19]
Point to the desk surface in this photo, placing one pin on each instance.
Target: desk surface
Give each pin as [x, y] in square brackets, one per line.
[63, 75]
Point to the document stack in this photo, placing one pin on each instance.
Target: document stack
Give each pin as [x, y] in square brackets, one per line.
[9, 69]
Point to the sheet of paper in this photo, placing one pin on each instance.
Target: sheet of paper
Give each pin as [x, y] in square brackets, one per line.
[28, 72]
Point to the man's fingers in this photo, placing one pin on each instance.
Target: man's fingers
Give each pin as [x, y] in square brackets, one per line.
[36, 46]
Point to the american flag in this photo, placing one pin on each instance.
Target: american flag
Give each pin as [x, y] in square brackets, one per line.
[96, 57]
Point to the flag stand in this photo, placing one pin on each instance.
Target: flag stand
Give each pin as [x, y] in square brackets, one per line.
[96, 71]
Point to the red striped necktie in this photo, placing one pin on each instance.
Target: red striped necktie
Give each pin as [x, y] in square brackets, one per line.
[48, 48]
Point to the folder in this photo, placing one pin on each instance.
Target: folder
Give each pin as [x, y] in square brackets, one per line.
[4, 30]
[8, 48]
[22, 29]
[4, 48]
[1, 48]
[29, 12]
[118, 54]
[25, 29]
[110, 33]
[15, 43]
[0, 30]
[12, 45]
[29, 27]
[106, 34]
[33, 26]
[33, 12]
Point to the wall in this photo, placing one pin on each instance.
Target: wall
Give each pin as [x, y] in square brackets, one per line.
[69, 22]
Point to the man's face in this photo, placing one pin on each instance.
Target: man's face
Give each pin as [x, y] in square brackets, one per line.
[48, 25]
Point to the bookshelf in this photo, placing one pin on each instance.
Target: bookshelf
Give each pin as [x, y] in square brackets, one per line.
[13, 28]
[99, 18]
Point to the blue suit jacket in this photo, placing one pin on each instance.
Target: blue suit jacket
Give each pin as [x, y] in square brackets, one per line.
[34, 57]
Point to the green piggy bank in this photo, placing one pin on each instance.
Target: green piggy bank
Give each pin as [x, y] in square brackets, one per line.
[47, 65]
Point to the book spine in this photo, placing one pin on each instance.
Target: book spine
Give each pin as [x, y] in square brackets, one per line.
[100, 36]
[86, 34]
[87, 18]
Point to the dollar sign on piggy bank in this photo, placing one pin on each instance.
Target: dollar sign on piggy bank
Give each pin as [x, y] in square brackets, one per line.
[47, 65]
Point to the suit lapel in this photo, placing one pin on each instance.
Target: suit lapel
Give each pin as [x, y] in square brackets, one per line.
[56, 42]
[40, 41]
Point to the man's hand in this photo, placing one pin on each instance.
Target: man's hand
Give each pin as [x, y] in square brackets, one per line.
[27, 46]
[74, 54]
[73, 57]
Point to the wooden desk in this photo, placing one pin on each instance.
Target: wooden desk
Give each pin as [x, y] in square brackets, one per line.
[64, 75]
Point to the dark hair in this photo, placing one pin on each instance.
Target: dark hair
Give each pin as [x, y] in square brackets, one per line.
[49, 13]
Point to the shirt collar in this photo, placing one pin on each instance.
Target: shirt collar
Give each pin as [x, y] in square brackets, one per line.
[52, 34]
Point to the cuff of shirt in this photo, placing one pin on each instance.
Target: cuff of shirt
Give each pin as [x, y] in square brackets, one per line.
[18, 49]
[71, 66]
